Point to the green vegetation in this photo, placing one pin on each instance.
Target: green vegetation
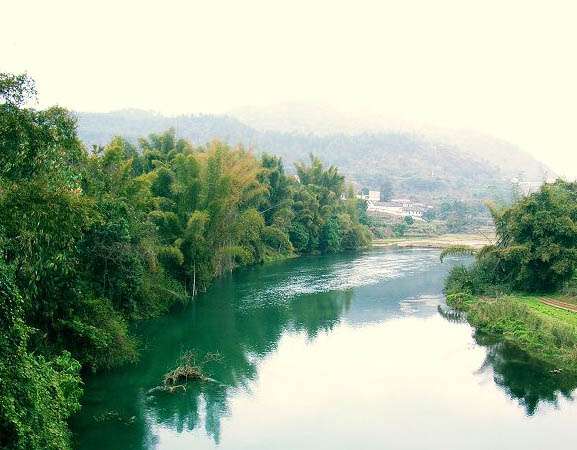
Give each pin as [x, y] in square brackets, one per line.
[443, 217]
[91, 241]
[546, 333]
[37, 392]
[456, 216]
[535, 254]
[536, 248]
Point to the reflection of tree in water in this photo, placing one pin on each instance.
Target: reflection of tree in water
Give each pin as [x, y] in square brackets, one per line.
[182, 411]
[524, 379]
[322, 314]
[245, 337]
[451, 315]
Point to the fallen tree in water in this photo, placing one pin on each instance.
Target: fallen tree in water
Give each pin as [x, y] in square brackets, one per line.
[190, 368]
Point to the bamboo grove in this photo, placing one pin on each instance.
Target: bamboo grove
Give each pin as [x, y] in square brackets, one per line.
[92, 239]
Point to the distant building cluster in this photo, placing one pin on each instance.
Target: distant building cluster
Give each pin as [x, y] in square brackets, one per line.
[398, 207]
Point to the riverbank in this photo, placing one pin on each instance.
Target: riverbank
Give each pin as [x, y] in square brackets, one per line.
[543, 327]
[476, 241]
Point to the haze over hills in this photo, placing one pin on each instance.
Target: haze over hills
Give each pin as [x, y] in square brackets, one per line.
[427, 164]
[322, 119]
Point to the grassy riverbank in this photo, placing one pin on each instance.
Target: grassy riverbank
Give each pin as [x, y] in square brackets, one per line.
[547, 333]
[502, 289]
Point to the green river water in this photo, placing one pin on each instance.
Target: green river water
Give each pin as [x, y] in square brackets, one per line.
[349, 352]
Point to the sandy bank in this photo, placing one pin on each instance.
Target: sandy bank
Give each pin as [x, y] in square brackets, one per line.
[443, 241]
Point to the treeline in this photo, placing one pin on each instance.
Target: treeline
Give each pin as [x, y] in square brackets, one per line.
[92, 240]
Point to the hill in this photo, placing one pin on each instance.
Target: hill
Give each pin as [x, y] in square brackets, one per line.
[426, 166]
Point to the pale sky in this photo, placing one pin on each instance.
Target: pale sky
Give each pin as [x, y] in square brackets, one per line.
[508, 68]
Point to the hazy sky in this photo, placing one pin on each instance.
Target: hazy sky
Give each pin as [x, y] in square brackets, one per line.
[504, 67]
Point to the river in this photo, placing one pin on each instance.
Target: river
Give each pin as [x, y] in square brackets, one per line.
[347, 352]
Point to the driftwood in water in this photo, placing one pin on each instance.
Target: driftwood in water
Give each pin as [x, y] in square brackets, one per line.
[166, 389]
[190, 369]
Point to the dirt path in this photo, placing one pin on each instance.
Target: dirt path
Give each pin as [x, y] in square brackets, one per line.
[559, 304]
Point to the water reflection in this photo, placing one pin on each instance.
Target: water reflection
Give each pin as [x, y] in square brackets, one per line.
[372, 317]
[242, 340]
[529, 382]
[524, 379]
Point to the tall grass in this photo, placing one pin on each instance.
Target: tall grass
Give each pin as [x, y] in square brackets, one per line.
[545, 338]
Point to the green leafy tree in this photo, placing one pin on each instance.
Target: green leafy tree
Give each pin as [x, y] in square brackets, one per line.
[330, 240]
[536, 248]
[537, 239]
[400, 229]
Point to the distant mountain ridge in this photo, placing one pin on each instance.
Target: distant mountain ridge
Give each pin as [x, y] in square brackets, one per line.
[426, 166]
[294, 117]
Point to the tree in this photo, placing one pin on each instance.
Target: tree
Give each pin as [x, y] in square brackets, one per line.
[35, 143]
[400, 229]
[536, 248]
[537, 239]
[330, 240]
[429, 215]
[315, 174]
[89, 242]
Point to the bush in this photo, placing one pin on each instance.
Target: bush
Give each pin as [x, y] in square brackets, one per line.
[277, 239]
[459, 300]
[400, 229]
[330, 240]
[172, 259]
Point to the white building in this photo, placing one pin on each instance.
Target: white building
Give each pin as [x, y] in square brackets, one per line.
[529, 187]
[373, 196]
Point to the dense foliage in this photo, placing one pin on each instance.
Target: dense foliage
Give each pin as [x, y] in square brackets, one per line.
[37, 393]
[536, 248]
[90, 241]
